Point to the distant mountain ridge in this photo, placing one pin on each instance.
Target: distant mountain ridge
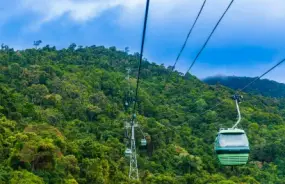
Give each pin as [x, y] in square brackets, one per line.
[263, 87]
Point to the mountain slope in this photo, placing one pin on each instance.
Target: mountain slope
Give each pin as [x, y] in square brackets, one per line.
[62, 115]
[263, 87]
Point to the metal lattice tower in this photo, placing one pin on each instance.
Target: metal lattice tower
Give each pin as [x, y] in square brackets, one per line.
[129, 86]
[128, 74]
[127, 103]
[133, 172]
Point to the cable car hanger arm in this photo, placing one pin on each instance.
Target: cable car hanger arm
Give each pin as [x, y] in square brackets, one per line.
[239, 115]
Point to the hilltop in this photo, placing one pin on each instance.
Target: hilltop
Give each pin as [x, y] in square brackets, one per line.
[263, 87]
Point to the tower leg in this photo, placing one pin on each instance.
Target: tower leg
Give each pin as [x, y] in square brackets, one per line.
[133, 172]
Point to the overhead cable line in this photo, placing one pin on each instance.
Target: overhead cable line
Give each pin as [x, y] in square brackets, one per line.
[185, 42]
[212, 107]
[209, 37]
[249, 84]
[257, 78]
[188, 35]
[133, 171]
[141, 56]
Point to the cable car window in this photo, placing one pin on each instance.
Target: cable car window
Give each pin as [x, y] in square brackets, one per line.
[233, 140]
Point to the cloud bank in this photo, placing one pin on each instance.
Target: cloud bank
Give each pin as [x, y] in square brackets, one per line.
[84, 10]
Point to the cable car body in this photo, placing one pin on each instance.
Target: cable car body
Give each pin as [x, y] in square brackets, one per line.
[143, 142]
[232, 147]
[128, 152]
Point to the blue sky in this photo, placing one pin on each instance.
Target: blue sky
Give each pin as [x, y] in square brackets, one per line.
[249, 40]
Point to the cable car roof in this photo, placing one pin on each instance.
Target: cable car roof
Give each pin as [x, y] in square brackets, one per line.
[231, 131]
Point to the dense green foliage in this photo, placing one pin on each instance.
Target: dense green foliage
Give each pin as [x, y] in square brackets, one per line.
[263, 87]
[62, 115]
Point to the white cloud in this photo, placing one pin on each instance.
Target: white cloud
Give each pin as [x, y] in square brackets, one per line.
[77, 11]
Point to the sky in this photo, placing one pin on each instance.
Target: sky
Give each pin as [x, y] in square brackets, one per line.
[249, 40]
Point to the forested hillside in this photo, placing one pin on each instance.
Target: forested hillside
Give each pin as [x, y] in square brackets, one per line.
[263, 87]
[62, 115]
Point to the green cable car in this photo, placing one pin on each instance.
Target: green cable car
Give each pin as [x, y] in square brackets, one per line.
[143, 142]
[231, 145]
[128, 152]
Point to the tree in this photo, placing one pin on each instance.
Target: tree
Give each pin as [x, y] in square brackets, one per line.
[25, 177]
[127, 50]
[72, 47]
[15, 70]
[92, 111]
[37, 92]
[37, 43]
